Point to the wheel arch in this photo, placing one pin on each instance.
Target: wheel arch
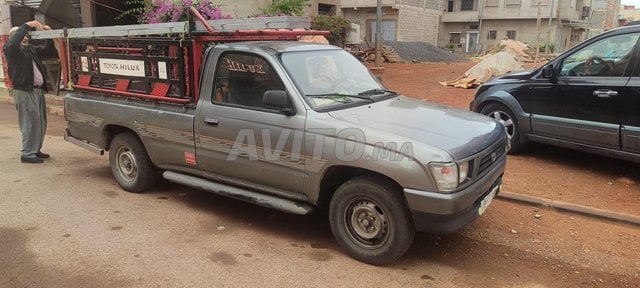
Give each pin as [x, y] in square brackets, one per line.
[508, 100]
[337, 175]
[111, 130]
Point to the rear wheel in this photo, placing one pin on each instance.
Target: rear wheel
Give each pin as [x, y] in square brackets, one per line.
[130, 164]
[504, 115]
[370, 220]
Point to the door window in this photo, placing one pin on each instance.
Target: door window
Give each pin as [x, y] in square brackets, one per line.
[607, 57]
[242, 79]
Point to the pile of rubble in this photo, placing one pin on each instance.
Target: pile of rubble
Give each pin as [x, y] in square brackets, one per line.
[369, 54]
[521, 51]
[399, 51]
[505, 57]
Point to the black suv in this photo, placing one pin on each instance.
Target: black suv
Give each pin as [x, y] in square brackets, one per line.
[588, 98]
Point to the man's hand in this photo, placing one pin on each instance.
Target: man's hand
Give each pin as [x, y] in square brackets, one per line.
[46, 27]
[35, 24]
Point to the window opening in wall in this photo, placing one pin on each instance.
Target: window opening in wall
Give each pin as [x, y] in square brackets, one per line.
[491, 3]
[512, 3]
[466, 5]
[326, 9]
[542, 2]
[511, 34]
[450, 6]
[493, 34]
[454, 38]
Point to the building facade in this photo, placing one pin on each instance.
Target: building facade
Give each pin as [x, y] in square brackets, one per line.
[402, 20]
[477, 25]
[628, 14]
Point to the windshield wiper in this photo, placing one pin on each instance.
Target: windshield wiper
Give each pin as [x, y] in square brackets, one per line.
[337, 95]
[377, 91]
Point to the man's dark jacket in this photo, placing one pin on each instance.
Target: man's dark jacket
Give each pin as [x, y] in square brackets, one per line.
[19, 59]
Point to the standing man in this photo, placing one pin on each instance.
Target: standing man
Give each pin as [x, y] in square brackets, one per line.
[27, 76]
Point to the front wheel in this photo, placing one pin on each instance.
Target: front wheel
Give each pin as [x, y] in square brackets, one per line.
[370, 220]
[130, 164]
[504, 115]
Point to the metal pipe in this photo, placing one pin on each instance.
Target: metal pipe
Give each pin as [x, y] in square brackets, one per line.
[204, 22]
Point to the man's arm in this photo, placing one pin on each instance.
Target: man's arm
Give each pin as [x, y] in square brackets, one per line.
[13, 44]
[49, 49]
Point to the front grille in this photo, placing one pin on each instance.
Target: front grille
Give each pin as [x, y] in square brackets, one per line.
[488, 158]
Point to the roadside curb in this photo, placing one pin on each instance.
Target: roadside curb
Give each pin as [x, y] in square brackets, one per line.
[570, 208]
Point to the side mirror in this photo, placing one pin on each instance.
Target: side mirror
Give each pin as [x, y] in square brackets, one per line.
[277, 99]
[547, 72]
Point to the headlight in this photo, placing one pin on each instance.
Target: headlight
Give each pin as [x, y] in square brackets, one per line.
[449, 175]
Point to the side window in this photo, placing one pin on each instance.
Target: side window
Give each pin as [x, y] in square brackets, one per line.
[241, 79]
[607, 57]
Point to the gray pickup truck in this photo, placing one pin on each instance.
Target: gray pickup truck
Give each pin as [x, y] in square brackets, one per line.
[300, 127]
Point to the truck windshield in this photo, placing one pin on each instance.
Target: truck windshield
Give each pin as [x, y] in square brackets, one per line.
[331, 78]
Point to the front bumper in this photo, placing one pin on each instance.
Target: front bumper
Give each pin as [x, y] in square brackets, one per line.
[445, 213]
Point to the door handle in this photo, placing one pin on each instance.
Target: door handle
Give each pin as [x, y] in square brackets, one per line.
[602, 93]
[211, 121]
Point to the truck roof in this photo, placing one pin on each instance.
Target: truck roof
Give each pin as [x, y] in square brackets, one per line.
[279, 46]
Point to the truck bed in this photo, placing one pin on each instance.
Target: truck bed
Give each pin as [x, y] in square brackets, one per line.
[164, 129]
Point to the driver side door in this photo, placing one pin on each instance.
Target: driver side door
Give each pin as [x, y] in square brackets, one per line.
[583, 104]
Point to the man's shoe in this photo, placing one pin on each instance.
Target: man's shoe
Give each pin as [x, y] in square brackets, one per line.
[42, 155]
[33, 160]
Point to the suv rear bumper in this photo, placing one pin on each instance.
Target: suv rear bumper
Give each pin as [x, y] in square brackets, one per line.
[444, 213]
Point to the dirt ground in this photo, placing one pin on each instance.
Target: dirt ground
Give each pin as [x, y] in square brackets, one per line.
[540, 170]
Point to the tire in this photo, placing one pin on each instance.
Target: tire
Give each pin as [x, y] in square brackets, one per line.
[130, 164]
[385, 235]
[506, 117]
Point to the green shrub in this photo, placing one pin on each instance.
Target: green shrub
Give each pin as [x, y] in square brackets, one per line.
[338, 26]
[451, 47]
[286, 7]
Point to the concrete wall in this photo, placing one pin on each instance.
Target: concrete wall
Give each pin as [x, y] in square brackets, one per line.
[244, 8]
[526, 9]
[418, 24]
[365, 16]
[416, 20]
[365, 3]
[630, 14]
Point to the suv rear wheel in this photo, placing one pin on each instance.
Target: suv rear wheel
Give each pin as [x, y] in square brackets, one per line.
[508, 120]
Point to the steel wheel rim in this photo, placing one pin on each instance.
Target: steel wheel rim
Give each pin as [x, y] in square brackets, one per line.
[506, 121]
[126, 163]
[367, 223]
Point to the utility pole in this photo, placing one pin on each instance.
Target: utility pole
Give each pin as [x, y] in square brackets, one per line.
[480, 14]
[589, 19]
[378, 60]
[88, 13]
[546, 47]
[5, 13]
[535, 62]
